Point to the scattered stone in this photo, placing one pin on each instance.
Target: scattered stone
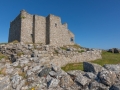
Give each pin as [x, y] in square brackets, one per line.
[112, 67]
[44, 72]
[5, 83]
[91, 67]
[115, 87]
[16, 81]
[53, 83]
[107, 77]
[97, 86]
[66, 81]
[91, 75]
[82, 80]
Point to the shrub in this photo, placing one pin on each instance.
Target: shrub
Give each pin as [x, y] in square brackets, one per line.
[81, 51]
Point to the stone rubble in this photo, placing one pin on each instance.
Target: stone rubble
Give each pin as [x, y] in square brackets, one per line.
[35, 68]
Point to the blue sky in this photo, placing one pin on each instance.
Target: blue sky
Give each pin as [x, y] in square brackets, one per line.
[95, 23]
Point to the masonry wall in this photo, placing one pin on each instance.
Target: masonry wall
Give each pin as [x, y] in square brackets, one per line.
[66, 35]
[26, 27]
[15, 28]
[85, 56]
[59, 34]
[40, 29]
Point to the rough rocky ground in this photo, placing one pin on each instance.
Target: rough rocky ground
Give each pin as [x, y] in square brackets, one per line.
[26, 69]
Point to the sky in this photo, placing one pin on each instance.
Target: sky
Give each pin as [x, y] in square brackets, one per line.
[95, 23]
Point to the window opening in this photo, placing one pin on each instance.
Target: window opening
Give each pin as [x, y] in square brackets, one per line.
[71, 39]
[55, 24]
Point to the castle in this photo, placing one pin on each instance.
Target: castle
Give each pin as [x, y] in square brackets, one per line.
[38, 29]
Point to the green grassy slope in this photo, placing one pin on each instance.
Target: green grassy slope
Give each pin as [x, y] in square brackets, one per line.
[107, 58]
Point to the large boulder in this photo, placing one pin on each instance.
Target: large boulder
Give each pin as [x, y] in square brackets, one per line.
[44, 72]
[107, 77]
[115, 87]
[91, 67]
[53, 83]
[114, 50]
[112, 67]
[66, 81]
[91, 75]
[15, 81]
[5, 83]
[97, 86]
[82, 80]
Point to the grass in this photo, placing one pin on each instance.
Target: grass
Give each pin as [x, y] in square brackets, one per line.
[2, 56]
[80, 51]
[74, 46]
[107, 58]
[73, 66]
[20, 53]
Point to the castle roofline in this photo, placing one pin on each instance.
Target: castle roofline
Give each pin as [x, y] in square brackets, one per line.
[52, 15]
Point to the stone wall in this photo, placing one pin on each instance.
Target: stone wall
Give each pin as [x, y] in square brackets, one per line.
[59, 34]
[47, 54]
[38, 29]
[15, 28]
[80, 57]
[26, 27]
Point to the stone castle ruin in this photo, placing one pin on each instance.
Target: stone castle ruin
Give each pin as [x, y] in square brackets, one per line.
[29, 28]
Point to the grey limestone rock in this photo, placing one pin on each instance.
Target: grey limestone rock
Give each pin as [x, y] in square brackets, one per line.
[66, 81]
[115, 87]
[112, 67]
[5, 83]
[54, 68]
[35, 68]
[15, 81]
[91, 67]
[29, 72]
[44, 72]
[53, 83]
[97, 86]
[9, 70]
[107, 77]
[82, 80]
[75, 72]
[15, 63]
[52, 73]
[19, 86]
[90, 75]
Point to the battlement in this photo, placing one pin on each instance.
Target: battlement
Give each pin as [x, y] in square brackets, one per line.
[30, 28]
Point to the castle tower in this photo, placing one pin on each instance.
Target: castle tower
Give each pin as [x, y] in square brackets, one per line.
[38, 29]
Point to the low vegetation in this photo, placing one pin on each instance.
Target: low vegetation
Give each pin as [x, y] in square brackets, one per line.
[74, 46]
[2, 56]
[80, 51]
[107, 58]
[20, 53]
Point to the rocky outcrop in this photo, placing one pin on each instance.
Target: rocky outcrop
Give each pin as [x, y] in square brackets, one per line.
[32, 74]
[37, 67]
[46, 54]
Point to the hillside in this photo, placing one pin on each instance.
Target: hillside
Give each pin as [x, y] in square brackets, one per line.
[38, 67]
